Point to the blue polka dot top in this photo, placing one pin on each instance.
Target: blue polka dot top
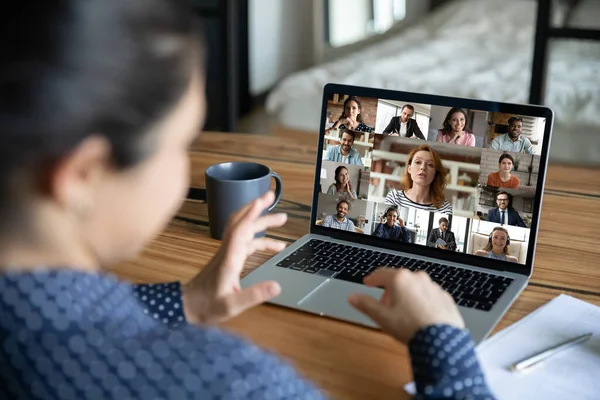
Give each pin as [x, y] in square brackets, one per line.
[72, 335]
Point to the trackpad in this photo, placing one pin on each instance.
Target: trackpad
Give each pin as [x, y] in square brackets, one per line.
[331, 299]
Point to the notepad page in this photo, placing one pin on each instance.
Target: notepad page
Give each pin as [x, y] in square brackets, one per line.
[571, 374]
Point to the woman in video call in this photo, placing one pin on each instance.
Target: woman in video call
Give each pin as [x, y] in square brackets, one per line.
[423, 183]
[503, 178]
[351, 118]
[454, 130]
[498, 246]
[101, 100]
[392, 227]
[342, 187]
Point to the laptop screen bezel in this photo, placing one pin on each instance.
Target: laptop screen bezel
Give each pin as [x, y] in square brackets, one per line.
[408, 97]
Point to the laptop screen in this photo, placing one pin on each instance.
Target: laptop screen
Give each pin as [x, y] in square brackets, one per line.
[446, 177]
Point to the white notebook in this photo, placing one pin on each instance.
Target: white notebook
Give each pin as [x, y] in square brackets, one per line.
[571, 374]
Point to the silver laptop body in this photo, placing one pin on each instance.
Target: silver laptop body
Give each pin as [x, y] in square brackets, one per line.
[323, 294]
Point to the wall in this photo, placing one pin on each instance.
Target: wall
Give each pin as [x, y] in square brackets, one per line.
[280, 40]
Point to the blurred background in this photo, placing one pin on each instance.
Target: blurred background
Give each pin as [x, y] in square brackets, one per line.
[269, 59]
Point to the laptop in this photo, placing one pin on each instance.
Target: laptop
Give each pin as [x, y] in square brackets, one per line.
[476, 232]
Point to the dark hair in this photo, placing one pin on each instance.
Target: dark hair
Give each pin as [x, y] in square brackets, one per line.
[516, 118]
[409, 106]
[446, 125]
[348, 100]
[343, 201]
[337, 171]
[393, 208]
[506, 155]
[444, 219]
[349, 132]
[508, 195]
[72, 68]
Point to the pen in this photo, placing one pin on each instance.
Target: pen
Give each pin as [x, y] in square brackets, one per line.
[541, 356]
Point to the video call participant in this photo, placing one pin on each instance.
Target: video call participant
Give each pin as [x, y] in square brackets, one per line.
[505, 214]
[392, 227]
[344, 153]
[404, 125]
[339, 220]
[351, 118]
[513, 141]
[503, 178]
[78, 191]
[454, 130]
[498, 246]
[444, 234]
[425, 180]
[342, 186]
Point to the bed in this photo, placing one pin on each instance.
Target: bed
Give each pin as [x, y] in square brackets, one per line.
[470, 48]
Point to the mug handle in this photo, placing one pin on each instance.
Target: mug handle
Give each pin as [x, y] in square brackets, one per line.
[278, 187]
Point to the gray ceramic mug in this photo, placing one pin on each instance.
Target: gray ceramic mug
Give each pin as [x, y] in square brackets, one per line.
[230, 186]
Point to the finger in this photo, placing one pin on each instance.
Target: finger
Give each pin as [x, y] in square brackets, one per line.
[236, 303]
[370, 307]
[252, 210]
[269, 221]
[382, 277]
[266, 244]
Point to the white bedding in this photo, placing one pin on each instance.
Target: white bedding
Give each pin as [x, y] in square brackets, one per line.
[470, 48]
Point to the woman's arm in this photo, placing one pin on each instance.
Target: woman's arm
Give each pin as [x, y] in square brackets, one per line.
[480, 253]
[440, 136]
[422, 315]
[470, 140]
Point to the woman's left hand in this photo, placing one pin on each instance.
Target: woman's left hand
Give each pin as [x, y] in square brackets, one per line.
[215, 294]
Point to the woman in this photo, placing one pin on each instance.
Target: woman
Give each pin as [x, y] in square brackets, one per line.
[101, 100]
[351, 118]
[454, 129]
[424, 182]
[503, 178]
[342, 186]
[498, 246]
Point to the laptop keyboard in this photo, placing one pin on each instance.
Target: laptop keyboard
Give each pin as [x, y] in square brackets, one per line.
[473, 289]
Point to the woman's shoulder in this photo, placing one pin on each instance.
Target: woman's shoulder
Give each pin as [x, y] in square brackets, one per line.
[481, 253]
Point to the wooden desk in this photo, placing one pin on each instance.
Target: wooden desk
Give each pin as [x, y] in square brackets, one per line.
[348, 361]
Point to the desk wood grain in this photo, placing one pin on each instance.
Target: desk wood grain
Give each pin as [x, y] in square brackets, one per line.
[349, 361]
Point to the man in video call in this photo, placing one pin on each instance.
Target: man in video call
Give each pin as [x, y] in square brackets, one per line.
[513, 141]
[404, 125]
[392, 227]
[340, 221]
[441, 237]
[344, 152]
[505, 214]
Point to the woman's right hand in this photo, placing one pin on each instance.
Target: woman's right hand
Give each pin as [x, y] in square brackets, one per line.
[410, 302]
[382, 220]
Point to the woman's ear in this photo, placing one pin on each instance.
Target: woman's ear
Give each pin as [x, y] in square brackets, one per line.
[72, 181]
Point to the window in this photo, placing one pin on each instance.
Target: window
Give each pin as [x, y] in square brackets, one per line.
[368, 18]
